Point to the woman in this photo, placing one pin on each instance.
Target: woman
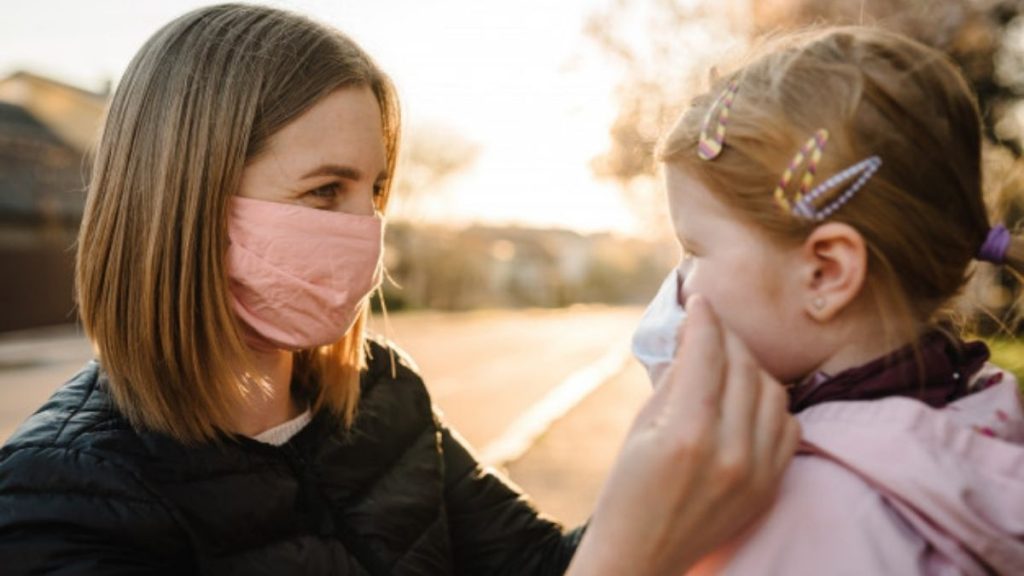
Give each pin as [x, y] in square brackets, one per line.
[237, 421]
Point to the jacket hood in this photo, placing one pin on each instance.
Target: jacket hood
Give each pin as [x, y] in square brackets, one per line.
[955, 475]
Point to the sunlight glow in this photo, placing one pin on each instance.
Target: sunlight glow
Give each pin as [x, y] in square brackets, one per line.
[518, 79]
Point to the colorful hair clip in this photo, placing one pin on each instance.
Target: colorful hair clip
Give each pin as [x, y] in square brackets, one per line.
[862, 171]
[709, 147]
[811, 154]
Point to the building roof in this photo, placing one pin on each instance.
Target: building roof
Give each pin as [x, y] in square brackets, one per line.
[72, 113]
[98, 97]
[40, 174]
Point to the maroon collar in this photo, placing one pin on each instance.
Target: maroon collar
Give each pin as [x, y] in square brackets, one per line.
[946, 365]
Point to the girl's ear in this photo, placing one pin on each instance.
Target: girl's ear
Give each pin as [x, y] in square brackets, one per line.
[834, 266]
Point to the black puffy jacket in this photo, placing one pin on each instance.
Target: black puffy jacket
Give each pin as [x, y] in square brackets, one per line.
[81, 492]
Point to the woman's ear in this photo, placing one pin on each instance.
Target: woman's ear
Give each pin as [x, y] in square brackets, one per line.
[835, 263]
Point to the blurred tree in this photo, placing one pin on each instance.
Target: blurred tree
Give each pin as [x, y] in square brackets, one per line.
[431, 155]
[665, 47]
[427, 273]
[985, 37]
[662, 50]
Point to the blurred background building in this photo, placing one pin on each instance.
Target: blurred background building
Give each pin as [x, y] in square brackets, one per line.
[46, 128]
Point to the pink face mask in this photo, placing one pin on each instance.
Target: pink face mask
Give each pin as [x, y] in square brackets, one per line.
[299, 276]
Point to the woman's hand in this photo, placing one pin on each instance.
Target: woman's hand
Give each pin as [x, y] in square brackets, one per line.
[702, 460]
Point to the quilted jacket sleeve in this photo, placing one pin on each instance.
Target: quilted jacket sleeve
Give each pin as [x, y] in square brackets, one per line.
[495, 529]
[64, 511]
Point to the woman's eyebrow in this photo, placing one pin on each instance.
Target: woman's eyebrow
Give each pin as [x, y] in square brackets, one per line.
[338, 170]
[346, 172]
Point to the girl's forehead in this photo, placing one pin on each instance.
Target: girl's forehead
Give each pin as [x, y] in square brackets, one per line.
[704, 223]
[691, 204]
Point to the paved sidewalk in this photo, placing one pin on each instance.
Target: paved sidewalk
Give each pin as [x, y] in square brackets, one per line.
[564, 471]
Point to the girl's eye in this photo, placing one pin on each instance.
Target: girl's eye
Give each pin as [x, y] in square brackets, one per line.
[378, 189]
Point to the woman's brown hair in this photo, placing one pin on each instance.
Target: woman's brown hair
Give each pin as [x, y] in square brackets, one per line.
[198, 101]
[921, 215]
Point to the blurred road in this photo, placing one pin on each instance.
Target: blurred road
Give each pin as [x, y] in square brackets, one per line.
[484, 369]
[563, 472]
[32, 365]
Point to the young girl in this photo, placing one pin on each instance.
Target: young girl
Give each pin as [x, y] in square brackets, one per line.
[237, 421]
[828, 200]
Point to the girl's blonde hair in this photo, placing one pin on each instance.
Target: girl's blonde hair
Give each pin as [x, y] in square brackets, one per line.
[198, 101]
[921, 215]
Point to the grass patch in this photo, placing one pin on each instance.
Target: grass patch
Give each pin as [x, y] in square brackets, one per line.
[1008, 354]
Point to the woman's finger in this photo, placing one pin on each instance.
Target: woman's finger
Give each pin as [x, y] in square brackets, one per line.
[739, 402]
[773, 421]
[696, 379]
[787, 445]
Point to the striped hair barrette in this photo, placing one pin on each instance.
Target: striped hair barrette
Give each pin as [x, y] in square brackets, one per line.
[803, 203]
[808, 157]
[859, 174]
[712, 133]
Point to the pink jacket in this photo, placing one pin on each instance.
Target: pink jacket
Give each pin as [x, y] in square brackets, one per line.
[893, 486]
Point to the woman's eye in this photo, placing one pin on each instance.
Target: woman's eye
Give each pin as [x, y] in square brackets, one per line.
[327, 192]
[378, 189]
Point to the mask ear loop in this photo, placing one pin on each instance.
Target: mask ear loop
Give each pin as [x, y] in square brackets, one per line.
[387, 319]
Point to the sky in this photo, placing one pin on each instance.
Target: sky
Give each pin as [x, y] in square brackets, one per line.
[519, 79]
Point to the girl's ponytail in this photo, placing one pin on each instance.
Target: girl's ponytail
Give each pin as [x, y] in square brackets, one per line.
[1004, 248]
[1014, 258]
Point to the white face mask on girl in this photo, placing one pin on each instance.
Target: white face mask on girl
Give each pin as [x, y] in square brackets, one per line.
[654, 342]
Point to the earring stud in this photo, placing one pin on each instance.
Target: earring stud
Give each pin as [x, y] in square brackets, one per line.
[818, 303]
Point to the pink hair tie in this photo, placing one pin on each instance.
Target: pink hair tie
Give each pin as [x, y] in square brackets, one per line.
[996, 244]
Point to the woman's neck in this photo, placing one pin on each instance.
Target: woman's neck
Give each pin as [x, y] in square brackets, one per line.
[270, 402]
